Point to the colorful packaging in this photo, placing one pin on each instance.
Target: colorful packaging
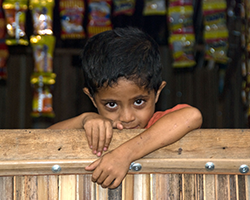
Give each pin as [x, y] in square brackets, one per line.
[15, 16]
[216, 46]
[42, 97]
[154, 7]
[42, 14]
[182, 47]
[72, 16]
[124, 7]
[215, 32]
[4, 53]
[43, 48]
[181, 19]
[180, 2]
[2, 25]
[99, 16]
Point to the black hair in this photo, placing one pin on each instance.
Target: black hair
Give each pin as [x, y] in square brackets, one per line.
[123, 52]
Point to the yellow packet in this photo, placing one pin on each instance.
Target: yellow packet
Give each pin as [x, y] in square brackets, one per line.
[15, 17]
[43, 48]
[42, 14]
[182, 47]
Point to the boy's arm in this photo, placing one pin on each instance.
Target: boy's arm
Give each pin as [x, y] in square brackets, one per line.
[98, 130]
[112, 167]
[73, 123]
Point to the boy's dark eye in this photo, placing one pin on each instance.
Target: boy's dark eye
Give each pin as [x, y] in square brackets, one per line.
[111, 105]
[139, 102]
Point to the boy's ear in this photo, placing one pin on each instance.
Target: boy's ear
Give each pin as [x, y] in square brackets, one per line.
[86, 91]
[163, 84]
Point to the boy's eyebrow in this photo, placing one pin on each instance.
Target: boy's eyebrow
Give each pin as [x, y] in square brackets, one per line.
[136, 97]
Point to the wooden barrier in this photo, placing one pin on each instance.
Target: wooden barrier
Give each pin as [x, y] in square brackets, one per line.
[176, 172]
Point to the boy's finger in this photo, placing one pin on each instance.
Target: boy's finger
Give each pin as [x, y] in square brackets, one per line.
[88, 135]
[95, 138]
[93, 165]
[109, 134]
[101, 142]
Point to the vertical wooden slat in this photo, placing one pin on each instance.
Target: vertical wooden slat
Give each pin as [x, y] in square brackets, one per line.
[242, 187]
[142, 186]
[128, 187]
[87, 187]
[209, 187]
[42, 187]
[79, 187]
[102, 193]
[188, 184]
[223, 187]
[159, 186]
[233, 193]
[53, 187]
[247, 187]
[31, 187]
[115, 194]
[174, 189]
[67, 187]
[19, 187]
[6, 188]
[199, 192]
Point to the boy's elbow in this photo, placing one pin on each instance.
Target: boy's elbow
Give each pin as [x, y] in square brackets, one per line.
[196, 117]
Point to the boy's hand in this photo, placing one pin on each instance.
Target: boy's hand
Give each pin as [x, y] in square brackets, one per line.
[99, 132]
[110, 170]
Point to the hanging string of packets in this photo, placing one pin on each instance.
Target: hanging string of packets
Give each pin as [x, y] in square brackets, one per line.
[4, 53]
[215, 32]
[245, 92]
[43, 44]
[182, 38]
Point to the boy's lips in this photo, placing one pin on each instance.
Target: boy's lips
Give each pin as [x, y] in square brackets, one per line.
[133, 127]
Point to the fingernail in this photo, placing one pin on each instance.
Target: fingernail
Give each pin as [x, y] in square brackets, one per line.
[105, 149]
[91, 147]
[99, 153]
[94, 152]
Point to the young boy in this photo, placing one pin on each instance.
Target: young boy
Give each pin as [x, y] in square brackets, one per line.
[122, 73]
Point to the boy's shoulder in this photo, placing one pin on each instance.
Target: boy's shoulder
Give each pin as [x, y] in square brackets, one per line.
[157, 115]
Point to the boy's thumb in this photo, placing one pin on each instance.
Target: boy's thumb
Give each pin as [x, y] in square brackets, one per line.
[92, 166]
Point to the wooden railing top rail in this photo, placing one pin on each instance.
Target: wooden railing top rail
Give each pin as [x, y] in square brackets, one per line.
[36, 151]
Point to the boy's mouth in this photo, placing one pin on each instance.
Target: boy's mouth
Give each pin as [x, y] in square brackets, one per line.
[135, 127]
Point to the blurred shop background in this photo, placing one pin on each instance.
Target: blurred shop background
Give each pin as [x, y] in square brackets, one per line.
[204, 47]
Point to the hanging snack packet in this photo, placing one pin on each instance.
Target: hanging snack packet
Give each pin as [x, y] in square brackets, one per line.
[216, 32]
[4, 53]
[42, 14]
[216, 46]
[182, 47]
[181, 19]
[154, 7]
[214, 16]
[2, 25]
[72, 16]
[99, 16]
[15, 16]
[180, 2]
[124, 7]
[42, 97]
[43, 48]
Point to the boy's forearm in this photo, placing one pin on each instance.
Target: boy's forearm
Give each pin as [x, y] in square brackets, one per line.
[73, 123]
[165, 131]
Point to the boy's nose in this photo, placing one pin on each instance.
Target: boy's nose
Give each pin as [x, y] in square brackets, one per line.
[126, 116]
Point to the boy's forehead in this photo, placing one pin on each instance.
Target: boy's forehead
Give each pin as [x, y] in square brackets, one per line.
[123, 87]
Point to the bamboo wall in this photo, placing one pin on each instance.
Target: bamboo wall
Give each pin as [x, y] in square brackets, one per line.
[175, 172]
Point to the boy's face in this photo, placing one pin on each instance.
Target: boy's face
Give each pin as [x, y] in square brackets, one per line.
[126, 103]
